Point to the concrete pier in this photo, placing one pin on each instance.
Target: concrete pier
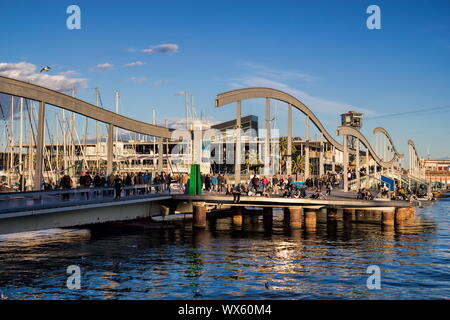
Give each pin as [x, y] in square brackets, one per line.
[286, 216]
[347, 216]
[268, 217]
[310, 218]
[237, 216]
[199, 215]
[295, 217]
[332, 215]
[401, 214]
[360, 215]
[387, 217]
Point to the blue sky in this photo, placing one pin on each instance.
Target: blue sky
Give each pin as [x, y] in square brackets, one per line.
[320, 51]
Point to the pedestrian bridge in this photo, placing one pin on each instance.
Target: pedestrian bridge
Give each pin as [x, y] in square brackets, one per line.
[30, 211]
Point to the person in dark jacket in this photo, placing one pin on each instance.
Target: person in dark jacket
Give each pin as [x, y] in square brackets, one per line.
[65, 184]
[128, 182]
[118, 183]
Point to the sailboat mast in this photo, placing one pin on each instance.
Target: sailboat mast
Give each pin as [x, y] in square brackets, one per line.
[57, 145]
[21, 145]
[11, 144]
[96, 131]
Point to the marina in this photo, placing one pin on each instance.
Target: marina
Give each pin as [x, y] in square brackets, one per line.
[224, 150]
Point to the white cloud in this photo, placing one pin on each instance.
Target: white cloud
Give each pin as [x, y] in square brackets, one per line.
[316, 104]
[159, 82]
[134, 64]
[162, 48]
[69, 73]
[103, 66]
[27, 72]
[271, 73]
[137, 79]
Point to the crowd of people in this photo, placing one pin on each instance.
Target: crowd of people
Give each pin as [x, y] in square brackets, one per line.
[130, 183]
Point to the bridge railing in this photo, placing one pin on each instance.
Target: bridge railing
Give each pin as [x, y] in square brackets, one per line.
[10, 202]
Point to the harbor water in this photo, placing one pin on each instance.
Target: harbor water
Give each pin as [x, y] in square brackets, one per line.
[222, 263]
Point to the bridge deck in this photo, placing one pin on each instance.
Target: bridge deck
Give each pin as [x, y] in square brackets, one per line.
[338, 200]
[33, 201]
[46, 200]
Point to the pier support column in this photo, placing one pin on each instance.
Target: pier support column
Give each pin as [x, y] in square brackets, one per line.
[345, 160]
[411, 212]
[332, 222]
[401, 214]
[37, 183]
[307, 173]
[358, 175]
[347, 215]
[321, 156]
[199, 215]
[267, 140]
[295, 217]
[237, 158]
[267, 217]
[212, 220]
[160, 156]
[332, 215]
[286, 216]
[254, 218]
[110, 150]
[359, 215]
[387, 217]
[310, 218]
[289, 143]
[237, 217]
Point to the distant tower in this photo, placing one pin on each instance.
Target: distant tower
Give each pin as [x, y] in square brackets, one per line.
[352, 119]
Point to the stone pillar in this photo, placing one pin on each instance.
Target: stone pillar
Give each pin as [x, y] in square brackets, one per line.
[37, 183]
[331, 222]
[321, 158]
[332, 215]
[347, 216]
[359, 215]
[237, 216]
[160, 154]
[411, 211]
[358, 176]
[110, 149]
[345, 160]
[199, 215]
[387, 217]
[295, 217]
[286, 216]
[307, 173]
[253, 218]
[212, 220]
[310, 218]
[237, 158]
[401, 214]
[267, 140]
[289, 143]
[267, 217]
[333, 159]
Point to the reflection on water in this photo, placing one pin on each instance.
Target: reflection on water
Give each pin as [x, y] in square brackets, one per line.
[224, 263]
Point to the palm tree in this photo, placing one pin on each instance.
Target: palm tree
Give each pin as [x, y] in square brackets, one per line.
[251, 159]
[298, 164]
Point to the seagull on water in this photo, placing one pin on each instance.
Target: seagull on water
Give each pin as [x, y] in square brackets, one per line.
[47, 68]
